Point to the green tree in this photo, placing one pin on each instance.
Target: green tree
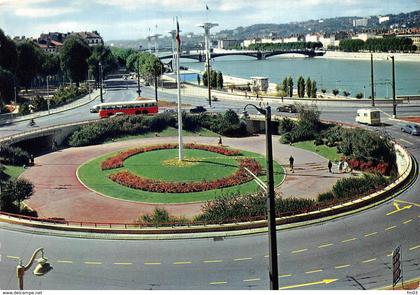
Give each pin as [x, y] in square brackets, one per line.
[219, 80]
[284, 85]
[29, 63]
[313, 89]
[213, 79]
[74, 55]
[104, 55]
[8, 53]
[290, 86]
[301, 86]
[346, 93]
[308, 87]
[121, 55]
[14, 192]
[6, 86]
[335, 92]
[50, 64]
[205, 79]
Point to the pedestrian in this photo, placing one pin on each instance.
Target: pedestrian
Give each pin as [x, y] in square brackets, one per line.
[346, 167]
[246, 94]
[54, 146]
[340, 166]
[32, 159]
[220, 140]
[291, 161]
[329, 166]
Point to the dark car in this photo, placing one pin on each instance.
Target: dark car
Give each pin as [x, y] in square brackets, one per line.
[197, 110]
[287, 108]
[411, 129]
[95, 109]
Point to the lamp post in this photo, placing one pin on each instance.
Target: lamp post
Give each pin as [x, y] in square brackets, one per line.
[101, 82]
[271, 205]
[138, 78]
[371, 80]
[41, 269]
[48, 95]
[394, 102]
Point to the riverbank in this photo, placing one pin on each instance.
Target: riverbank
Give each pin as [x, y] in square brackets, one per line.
[411, 57]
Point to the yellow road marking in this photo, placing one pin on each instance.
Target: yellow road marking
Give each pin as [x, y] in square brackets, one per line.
[349, 240]
[285, 276]
[65, 261]
[123, 263]
[325, 245]
[252, 280]
[371, 234]
[406, 202]
[326, 282]
[299, 251]
[391, 227]
[313, 271]
[369, 260]
[13, 257]
[397, 208]
[408, 221]
[182, 262]
[212, 261]
[342, 266]
[152, 263]
[242, 259]
[217, 283]
[415, 247]
[93, 262]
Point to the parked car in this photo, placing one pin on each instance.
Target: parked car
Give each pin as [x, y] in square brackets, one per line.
[287, 108]
[197, 110]
[412, 129]
[95, 109]
[369, 117]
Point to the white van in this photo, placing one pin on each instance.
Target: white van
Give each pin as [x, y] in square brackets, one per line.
[368, 116]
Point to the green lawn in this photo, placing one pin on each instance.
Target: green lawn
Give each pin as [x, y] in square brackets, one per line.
[13, 171]
[168, 132]
[330, 153]
[215, 166]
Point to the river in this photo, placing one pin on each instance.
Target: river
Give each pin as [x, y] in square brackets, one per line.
[343, 74]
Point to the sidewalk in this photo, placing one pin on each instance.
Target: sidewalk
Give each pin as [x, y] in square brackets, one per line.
[75, 104]
[58, 193]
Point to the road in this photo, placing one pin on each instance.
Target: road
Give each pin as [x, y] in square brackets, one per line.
[347, 253]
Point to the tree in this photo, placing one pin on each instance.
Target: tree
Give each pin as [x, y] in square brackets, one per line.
[205, 79]
[335, 92]
[359, 95]
[74, 55]
[121, 55]
[219, 80]
[346, 93]
[323, 90]
[313, 89]
[104, 55]
[285, 86]
[50, 64]
[290, 86]
[8, 53]
[213, 79]
[6, 86]
[29, 63]
[14, 192]
[301, 86]
[308, 87]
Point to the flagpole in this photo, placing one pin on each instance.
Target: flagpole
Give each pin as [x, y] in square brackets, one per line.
[178, 51]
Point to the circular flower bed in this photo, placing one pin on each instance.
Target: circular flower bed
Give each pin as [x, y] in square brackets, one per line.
[128, 179]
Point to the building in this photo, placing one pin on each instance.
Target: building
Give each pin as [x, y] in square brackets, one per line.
[228, 43]
[91, 38]
[53, 41]
[312, 38]
[414, 37]
[383, 19]
[365, 36]
[361, 22]
[260, 83]
[248, 42]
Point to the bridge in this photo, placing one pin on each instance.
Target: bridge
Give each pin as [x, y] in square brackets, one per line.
[201, 57]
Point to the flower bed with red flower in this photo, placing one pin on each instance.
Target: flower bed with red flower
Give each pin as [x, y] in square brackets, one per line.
[118, 160]
[241, 176]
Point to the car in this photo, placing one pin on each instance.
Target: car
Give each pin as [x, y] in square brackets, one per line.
[287, 108]
[197, 110]
[94, 109]
[412, 129]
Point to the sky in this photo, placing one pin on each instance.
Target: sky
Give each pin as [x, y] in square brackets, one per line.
[134, 19]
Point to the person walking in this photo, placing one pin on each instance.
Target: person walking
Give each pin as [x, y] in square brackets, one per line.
[220, 140]
[291, 162]
[329, 166]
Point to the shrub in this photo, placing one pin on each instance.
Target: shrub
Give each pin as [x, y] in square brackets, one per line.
[160, 217]
[325, 197]
[359, 95]
[335, 92]
[286, 125]
[13, 193]
[346, 93]
[358, 186]
[14, 155]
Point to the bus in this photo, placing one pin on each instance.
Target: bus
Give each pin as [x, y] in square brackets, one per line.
[144, 107]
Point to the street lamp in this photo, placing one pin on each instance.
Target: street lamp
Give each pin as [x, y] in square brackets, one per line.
[394, 102]
[41, 269]
[101, 82]
[138, 78]
[271, 203]
[48, 95]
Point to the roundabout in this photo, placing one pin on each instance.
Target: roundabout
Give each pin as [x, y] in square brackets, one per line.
[153, 174]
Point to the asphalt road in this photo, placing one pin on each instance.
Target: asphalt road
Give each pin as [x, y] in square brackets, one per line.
[347, 253]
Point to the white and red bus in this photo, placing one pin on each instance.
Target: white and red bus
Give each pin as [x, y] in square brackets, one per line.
[144, 107]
